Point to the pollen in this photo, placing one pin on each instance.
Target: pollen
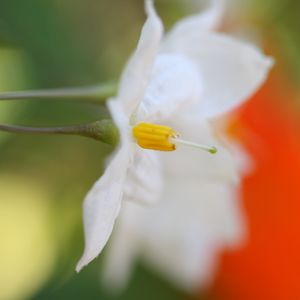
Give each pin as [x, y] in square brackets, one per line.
[154, 137]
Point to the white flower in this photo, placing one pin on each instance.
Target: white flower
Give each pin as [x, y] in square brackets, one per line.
[181, 80]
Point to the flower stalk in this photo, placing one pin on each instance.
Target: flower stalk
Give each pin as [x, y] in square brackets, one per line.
[97, 94]
[104, 130]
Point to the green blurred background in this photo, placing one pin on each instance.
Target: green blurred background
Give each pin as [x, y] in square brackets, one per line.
[62, 43]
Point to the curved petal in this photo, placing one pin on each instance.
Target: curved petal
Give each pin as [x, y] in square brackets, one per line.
[174, 86]
[144, 181]
[209, 19]
[231, 70]
[102, 205]
[138, 70]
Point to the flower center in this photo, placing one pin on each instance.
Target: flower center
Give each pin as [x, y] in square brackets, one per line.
[162, 138]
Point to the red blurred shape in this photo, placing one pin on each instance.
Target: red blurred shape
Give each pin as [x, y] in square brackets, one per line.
[268, 266]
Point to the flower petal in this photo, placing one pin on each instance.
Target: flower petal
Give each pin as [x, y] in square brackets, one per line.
[195, 221]
[144, 181]
[206, 20]
[138, 70]
[174, 86]
[123, 249]
[191, 163]
[231, 70]
[102, 205]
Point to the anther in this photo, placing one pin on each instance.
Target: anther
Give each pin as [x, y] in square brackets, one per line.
[155, 137]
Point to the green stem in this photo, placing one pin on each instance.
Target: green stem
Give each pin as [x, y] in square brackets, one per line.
[91, 93]
[104, 130]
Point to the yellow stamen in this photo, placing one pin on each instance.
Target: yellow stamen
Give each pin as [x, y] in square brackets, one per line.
[163, 138]
[155, 137]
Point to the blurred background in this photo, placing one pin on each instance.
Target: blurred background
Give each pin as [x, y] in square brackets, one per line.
[61, 43]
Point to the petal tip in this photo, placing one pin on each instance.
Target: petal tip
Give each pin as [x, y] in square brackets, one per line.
[83, 261]
[79, 266]
[152, 14]
[264, 65]
[263, 60]
[269, 61]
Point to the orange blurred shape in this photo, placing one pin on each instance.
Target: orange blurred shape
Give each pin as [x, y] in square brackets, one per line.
[268, 266]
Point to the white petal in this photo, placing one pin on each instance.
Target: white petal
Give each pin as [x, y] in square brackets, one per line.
[194, 222]
[174, 86]
[102, 205]
[138, 70]
[144, 180]
[231, 70]
[209, 19]
[181, 235]
[123, 248]
[191, 163]
[188, 261]
[245, 161]
[212, 208]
